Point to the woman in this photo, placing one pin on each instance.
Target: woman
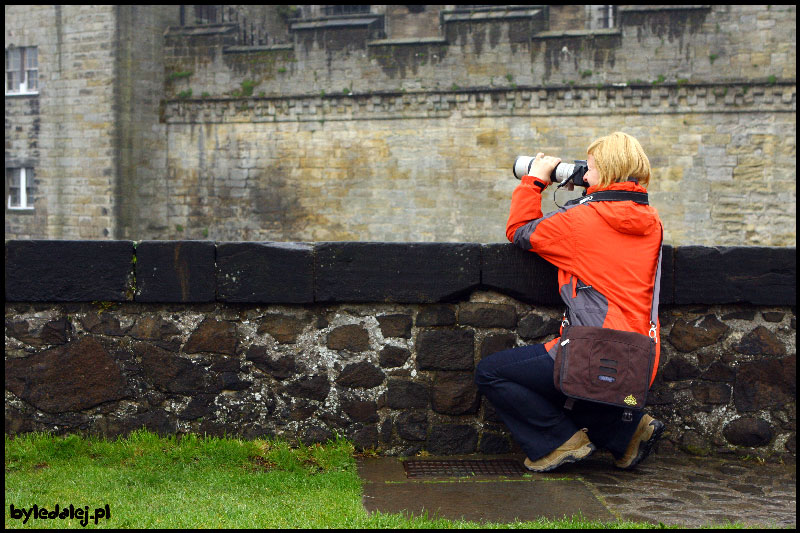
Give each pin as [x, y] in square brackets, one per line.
[606, 254]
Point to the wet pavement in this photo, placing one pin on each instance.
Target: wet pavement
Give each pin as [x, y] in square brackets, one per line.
[673, 489]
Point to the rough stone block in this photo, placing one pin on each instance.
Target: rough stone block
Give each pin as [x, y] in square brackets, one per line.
[773, 316]
[311, 387]
[412, 425]
[688, 336]
[350, 337]
[395, 272]
[535, 326]
[719, 371]
[748, 431]
[445, 349]
[436, 315]
[280, 368]
[168, 372]
[522, 275]
[393, 356]
[68, 271]
[403, 394]
[760, 341]
[365, 438]
[716, 275]
[679, 369]
[765, 384]
[716, 393]
[73, 377]
[455, 393]
[216, 336]
[493, 443]
[497, 343]
[486, 315]
[200, 405]
[395, 326]
[53, 332]
[159, 331]
[450, 439]
[362, 411]
[269, 272]
[175, 271]
[283, 328]
[103, 323]
[360, 375]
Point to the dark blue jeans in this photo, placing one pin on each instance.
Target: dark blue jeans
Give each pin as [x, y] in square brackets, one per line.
[519, 383]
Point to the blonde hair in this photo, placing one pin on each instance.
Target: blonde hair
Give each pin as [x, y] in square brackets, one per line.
[619, 156]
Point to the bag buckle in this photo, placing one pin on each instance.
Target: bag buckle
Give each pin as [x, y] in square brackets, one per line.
[652, 332]
[627, 415]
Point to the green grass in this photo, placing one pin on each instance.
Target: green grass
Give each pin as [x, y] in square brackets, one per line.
[205, 482]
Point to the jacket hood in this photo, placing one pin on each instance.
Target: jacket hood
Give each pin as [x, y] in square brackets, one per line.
[626, 217]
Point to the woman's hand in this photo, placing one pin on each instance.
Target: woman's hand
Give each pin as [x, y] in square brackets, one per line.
[543, 166]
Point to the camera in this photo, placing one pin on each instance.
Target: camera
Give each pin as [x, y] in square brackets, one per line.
[562, 174]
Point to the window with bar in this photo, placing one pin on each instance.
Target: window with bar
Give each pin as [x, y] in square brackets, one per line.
[19, 183]
[601, 17]
[22, 70]
[348, 9]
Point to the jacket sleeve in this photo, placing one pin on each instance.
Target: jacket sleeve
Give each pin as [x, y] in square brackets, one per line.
[549, 236]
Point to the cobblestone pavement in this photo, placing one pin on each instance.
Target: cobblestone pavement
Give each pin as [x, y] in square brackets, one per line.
[694, 491]
[674, 489]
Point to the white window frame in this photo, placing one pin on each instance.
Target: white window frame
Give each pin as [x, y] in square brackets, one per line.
[600, 17]
[28, 67]
[24, 176]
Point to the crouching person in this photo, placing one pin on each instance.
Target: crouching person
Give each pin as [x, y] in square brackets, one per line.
[607, 254]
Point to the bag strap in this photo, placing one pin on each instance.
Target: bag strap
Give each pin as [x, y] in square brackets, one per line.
[656, 290]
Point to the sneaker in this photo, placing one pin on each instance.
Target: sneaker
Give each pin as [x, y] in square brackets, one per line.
[576, 448]
[647, 433]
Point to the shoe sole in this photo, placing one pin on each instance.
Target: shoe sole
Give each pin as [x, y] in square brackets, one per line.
[645, 447]
[571, 458]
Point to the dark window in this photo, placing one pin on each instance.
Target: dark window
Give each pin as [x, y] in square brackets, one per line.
[602, 17]
[344, 10]
[19, 183]
[205, 14]
[22, 70]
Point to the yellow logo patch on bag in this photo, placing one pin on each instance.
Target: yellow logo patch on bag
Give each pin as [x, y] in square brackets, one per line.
[630, 400]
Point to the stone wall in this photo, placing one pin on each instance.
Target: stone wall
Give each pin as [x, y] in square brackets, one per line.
[338, 135]
[436, 166]
[521, 46]
[140, 151]
[54, 132]
[144, 129]
[92, 132]
[277, 339]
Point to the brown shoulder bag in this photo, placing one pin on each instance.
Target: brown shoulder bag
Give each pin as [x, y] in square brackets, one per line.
[605, 365]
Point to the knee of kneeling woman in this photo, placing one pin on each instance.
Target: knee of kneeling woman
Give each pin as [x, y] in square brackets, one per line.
[483, 374]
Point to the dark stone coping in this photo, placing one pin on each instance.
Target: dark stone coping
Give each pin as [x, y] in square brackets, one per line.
[360, 272]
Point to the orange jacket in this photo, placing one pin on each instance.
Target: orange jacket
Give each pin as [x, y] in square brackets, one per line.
[606, 255]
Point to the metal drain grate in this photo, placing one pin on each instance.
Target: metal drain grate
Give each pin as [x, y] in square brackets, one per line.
[436, 468]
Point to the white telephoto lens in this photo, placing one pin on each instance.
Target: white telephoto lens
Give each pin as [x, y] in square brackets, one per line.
[563, 171]
[522, 166]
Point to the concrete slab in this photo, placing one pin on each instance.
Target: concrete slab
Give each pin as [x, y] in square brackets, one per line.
[477, 498]
[670, 488]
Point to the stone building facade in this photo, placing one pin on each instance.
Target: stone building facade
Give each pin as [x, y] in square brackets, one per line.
[392, 123]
